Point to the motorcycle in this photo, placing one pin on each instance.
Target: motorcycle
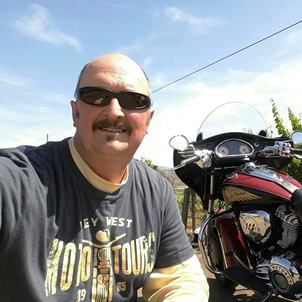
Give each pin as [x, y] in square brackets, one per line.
[252, 234]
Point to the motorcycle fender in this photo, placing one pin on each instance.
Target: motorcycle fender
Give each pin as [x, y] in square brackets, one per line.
[233, 246]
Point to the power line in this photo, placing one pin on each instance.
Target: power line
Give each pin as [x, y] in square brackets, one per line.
[228, 56]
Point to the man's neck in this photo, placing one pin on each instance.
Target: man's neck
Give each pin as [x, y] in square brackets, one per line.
[111, 168]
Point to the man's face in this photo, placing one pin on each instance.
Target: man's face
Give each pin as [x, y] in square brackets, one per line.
[111, 130]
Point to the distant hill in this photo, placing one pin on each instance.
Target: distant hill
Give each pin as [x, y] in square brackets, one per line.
[171, 176]
[168, 173]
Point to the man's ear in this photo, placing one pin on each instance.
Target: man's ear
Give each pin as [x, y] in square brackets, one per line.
[150, 117]
[75, 112]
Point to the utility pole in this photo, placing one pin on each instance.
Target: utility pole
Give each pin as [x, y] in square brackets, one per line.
[46, 137]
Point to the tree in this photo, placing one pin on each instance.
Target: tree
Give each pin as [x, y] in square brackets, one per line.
[295, 167]
[148, 162]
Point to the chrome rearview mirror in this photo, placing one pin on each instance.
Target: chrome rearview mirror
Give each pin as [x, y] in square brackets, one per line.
[297, 139]
[179, 142]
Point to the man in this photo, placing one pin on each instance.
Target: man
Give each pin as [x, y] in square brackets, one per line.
[80, 220]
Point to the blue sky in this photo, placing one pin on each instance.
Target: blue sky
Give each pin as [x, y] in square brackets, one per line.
[44, 44]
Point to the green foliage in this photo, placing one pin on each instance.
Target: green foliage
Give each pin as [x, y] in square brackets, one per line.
[295, 167]
[295, 120]
[279, 122]
[148, 162]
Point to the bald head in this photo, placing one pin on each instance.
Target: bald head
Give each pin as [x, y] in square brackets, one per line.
[115, 72]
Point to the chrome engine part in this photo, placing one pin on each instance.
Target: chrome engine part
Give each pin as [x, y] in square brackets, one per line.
[281, 274]
[256, 225]
[291, 228]
[280, 266]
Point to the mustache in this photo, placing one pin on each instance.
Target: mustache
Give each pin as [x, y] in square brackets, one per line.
[117, 124]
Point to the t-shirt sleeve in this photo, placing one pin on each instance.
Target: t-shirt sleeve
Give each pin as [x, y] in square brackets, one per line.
[174, 245]
[178, 283]
[5, 179]
[15, 187]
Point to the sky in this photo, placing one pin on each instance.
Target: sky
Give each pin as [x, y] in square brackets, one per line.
[44, 45]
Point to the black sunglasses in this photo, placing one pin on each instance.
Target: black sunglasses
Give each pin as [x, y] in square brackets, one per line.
[101, 97]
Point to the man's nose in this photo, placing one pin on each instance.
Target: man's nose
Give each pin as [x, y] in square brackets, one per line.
[114, 108]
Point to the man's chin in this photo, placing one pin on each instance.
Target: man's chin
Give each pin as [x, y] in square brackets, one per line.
[118, 136]
[115, 146]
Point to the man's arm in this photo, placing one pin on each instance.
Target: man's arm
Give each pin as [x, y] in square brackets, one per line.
[177, 283]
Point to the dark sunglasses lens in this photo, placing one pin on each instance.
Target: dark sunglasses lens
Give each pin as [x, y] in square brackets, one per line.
[102, 97]
[134, 101]
[94, 96]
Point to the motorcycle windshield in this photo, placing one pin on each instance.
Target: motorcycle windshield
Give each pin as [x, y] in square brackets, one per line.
[232, 117]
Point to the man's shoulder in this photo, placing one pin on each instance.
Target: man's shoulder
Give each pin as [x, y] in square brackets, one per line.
[13, 155]
[146, 173]
[45, 149]
[29, 149]
[15, 167]
[141, 167]
[26, 156]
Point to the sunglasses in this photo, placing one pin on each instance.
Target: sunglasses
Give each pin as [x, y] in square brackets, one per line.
[101, 97]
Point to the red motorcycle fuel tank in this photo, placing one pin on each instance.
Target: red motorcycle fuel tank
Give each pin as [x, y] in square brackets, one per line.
[258, 184]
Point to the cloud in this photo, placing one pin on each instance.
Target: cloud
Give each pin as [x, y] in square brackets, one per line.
[27, 114]
[135, 46]
[11, 80]
[57, 98]
[29, 123]
[181, 108]
[147, 62]
[158, 80]
[294, 37]
[39, 26]
[197, 24]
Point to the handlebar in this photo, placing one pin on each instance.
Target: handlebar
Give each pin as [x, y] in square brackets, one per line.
[204, 158]
[190, 160]
[201, 157]
[296, 153]
[282, 149]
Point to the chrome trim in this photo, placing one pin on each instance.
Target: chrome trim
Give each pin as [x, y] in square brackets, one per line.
[268, 174]
[286, 268]
[284, 265]
[256, 225]
[202, 246]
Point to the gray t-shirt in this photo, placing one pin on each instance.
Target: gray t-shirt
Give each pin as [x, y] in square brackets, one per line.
[61, 239]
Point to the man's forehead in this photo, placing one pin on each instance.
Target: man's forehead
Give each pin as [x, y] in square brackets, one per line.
[115, 71]
[116, 64]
